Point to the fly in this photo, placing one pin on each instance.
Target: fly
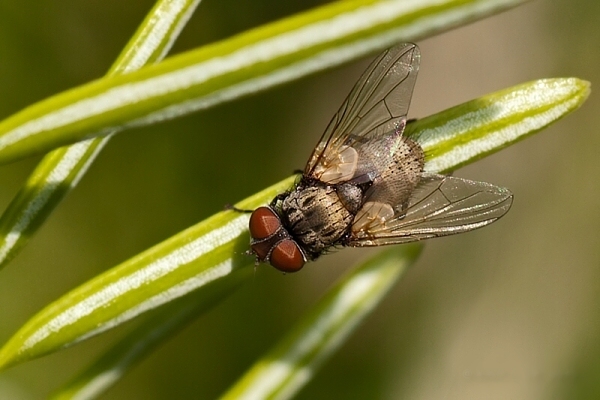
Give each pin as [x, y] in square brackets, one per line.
[364, 183]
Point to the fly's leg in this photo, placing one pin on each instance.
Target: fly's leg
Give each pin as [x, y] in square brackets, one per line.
[273, 203]
[231, 207]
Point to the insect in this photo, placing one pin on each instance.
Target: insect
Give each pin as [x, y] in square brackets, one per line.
[364, 184]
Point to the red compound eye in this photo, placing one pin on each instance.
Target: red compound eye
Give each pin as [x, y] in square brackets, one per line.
[263, 223]
[287, 256]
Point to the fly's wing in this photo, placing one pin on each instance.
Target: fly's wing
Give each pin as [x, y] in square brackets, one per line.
[374, 112]
[439, 206]
[398, 176]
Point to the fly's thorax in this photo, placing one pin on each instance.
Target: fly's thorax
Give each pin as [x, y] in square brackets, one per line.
[315, 217]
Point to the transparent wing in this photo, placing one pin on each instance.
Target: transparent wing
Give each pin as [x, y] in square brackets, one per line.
[440, 206]
[375, 110]
[398, 179]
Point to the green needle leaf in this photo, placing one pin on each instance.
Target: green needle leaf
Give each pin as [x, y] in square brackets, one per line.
[215, 247]
[294, 360]
[189, 260]
[273, 54]
[472, 130]
[60, 170]
[137, 344]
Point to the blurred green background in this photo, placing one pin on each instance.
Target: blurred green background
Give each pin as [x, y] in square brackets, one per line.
[507, 312]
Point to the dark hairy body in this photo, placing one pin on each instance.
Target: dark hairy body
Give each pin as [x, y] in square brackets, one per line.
[320, 215]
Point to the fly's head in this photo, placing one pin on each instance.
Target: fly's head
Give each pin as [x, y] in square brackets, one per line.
[272, 243]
